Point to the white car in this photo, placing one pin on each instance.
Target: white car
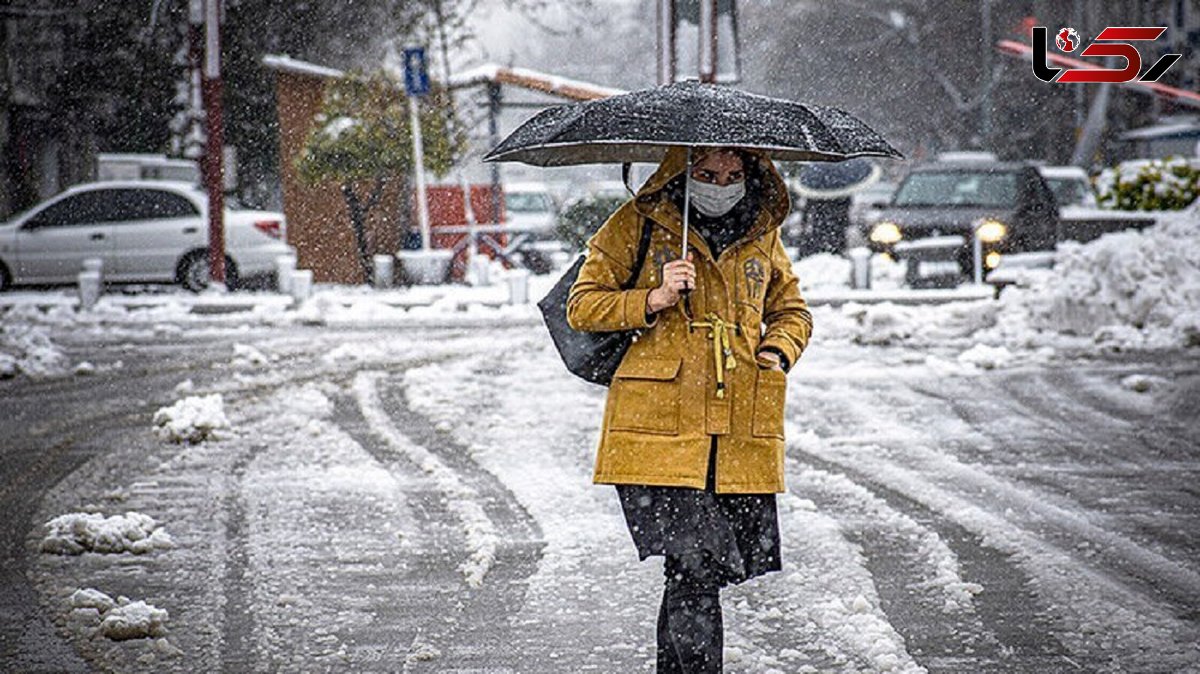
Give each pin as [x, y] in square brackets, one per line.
[529, 207]
[142, 230]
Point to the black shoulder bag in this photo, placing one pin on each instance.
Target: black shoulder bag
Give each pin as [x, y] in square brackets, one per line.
[593, 356]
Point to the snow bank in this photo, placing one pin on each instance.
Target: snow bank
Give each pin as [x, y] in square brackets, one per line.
[1134, 289]
[27, 349]
[76, 533]
[122, 619]
[193, 419]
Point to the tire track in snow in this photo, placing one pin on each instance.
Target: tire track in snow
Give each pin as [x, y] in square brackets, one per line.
[1097, 616]
[481, 533]
[919, 561]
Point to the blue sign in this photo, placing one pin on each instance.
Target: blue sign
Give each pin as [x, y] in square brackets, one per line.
[416, 77]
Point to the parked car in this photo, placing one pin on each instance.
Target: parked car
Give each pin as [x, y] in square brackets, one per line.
[531, 214]
[1070, 185]
[142, 230]
[937, 209]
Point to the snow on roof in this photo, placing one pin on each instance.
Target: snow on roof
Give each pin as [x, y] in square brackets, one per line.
[288, 64]
[1176, 127]
[532, 79]
[1062, 172]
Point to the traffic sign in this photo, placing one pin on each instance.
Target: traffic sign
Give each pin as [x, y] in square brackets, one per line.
[416, 77]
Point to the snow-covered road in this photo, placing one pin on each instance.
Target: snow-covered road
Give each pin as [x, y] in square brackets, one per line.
[420, 500]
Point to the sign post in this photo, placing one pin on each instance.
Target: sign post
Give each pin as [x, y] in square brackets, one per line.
[416, 84]
[213, 157]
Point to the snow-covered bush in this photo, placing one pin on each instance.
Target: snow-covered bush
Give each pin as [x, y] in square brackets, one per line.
[1169, 184]
[76, 533]
[193, 419]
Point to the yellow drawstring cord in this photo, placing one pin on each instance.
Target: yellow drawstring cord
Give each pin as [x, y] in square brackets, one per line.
[722, 352]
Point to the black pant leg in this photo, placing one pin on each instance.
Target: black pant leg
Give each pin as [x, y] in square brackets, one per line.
[668, 658]
[692, 600]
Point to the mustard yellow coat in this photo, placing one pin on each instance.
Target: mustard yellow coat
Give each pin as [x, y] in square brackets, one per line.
[664, 401]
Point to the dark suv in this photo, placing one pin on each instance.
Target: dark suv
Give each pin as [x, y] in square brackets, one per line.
[939, 208]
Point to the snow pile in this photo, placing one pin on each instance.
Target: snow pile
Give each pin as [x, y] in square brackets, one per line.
[986, 357]
[76, 533]
[119, 620]
[27, 349]
[245, 355]
[827, 271]
[1125, 289]
[822, 270]
[193, 419]
[1141, 383]
[887, 323]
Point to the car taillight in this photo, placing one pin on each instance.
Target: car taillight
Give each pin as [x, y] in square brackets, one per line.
[271, 228]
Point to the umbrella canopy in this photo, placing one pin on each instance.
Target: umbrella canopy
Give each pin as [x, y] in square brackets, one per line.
[639, 126]
[835, 180]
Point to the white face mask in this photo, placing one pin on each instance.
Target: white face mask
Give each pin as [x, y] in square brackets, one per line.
[715, 200]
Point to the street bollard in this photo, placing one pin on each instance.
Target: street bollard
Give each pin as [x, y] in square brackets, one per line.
[94, 264]
[89, 289]
[285, 265]
[385, 269]
[860, 268]
[518, 286]
[301, 284]
[479, 270]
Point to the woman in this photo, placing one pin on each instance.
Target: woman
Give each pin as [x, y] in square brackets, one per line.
[693, 424]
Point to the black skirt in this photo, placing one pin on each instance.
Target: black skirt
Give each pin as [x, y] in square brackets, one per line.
[739, 531]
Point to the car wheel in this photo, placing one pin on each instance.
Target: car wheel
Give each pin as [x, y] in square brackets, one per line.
[193, 272]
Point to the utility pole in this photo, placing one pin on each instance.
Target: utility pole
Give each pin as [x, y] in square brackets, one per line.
[213, 155]
[985, 109]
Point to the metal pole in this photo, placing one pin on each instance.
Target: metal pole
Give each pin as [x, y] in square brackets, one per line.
[493, 90]
[213, 159]
[470, 215]
[707, 29]
[985, 122]
[666, 41]
[687, 193]
[978, 245]
[414, 121]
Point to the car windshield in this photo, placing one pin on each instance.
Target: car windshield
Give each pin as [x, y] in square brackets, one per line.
[958, 188]
[526, 202]
[1068, 191]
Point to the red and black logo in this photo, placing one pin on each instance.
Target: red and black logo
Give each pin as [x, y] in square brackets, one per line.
[1112, 41]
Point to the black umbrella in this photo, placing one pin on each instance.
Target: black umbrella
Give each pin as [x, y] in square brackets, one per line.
[639, 127]
[835, 180]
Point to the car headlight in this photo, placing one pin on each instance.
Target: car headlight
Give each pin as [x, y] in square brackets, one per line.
[991, 231]
[886, 233]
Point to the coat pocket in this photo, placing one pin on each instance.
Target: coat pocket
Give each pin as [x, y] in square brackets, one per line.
[646, 395]
[770, 393]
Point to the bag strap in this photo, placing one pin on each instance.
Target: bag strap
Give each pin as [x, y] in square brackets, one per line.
[643, 247]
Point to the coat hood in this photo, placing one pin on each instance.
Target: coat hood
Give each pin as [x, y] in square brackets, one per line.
[774, 200]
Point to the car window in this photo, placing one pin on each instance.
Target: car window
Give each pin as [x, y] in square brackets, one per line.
[526, 202]
[958, 188]
[1068, 191]
[91, 207]
[151, 204]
